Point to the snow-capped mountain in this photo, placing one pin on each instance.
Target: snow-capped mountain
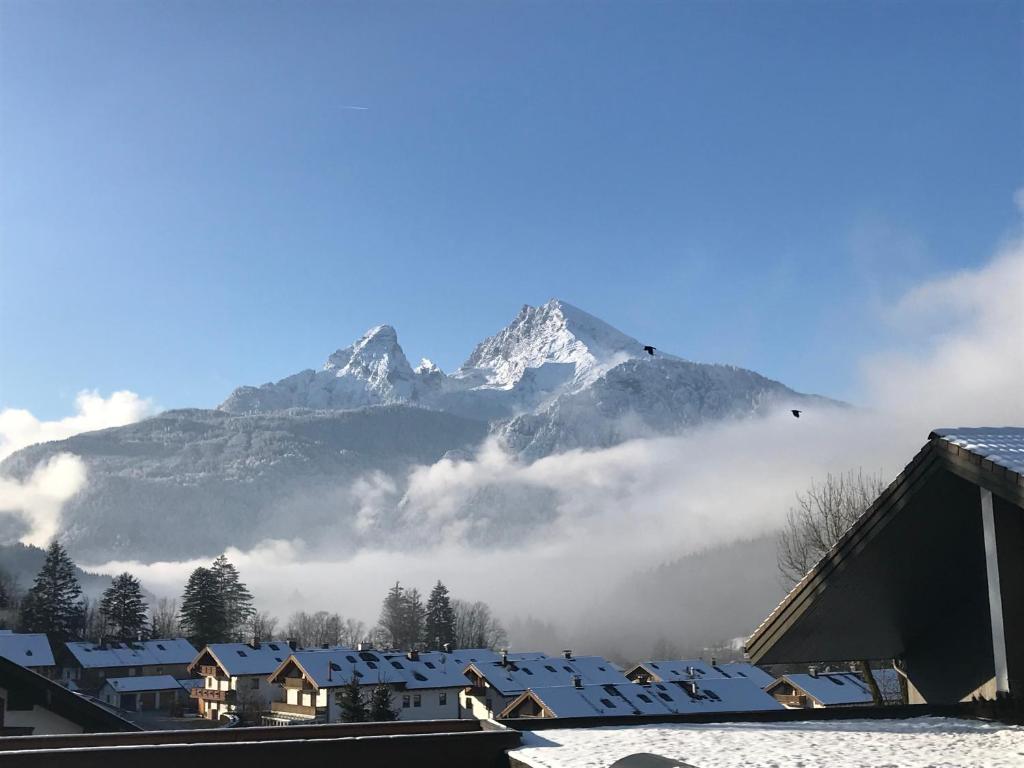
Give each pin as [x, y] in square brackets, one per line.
[296, 454]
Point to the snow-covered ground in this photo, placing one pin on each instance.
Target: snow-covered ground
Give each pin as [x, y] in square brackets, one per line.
[917, 743]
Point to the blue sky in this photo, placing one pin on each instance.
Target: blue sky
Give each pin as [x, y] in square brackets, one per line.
[188, 202]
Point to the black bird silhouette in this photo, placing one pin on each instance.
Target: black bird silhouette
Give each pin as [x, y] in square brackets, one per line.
[649, 350]
[796, 413]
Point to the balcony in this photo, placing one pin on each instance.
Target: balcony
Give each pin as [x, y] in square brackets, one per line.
[283, 708]
[295, 682]
[206, 670]
[212, 694]
[793, 701]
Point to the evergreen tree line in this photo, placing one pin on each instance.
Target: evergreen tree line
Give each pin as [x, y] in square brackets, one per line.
[407, 622]
[217, 606]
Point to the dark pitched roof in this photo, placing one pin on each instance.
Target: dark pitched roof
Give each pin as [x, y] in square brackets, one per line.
[26, 688]
[968, 454]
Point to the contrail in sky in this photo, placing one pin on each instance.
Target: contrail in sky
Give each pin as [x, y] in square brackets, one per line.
[350, 106]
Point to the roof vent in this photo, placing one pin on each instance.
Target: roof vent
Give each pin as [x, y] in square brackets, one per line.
[446, 647]
[577, 681]
[413, 655]
[364, 647]
[691, 671]
[812, 671]
[504, 657]
[567, 654]
[293, 644]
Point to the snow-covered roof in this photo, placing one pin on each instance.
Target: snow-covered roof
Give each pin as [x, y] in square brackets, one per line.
[175, 650]
[670, 670]
[31, 650]
[334, 667]
[750, 671]
[717, 695]
[837, 688]
[143, 683]
[547, 671]
[1000, 445]
[239, 659]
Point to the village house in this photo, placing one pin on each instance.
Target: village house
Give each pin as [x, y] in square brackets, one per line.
[929, 577]
[29, 650]
[236, 678]
[622, 699]
[34, 705]
[143, 693]
[814, 690]
[493, 685]
[424, 686]
[676, 670]
[86, 666]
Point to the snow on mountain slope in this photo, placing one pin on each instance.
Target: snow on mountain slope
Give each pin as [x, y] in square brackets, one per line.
[372, 371]
[580, 345]
[644, 397]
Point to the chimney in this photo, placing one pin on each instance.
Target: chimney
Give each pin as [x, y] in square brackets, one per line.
[577, 681]
[447, 647]
[292, 644]
[567, 654]
[690, 686]
[325, 646]
[413, 655]
[714, 661]
[504, 657]
[812, 671]
[690, 671]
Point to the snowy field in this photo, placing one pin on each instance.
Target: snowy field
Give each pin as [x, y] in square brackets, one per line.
[917, 743]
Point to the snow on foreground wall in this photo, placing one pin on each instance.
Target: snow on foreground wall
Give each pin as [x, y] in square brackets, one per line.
[916, 743]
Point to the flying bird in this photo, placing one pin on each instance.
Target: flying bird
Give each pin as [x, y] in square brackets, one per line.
[649, 350]
[796, 413]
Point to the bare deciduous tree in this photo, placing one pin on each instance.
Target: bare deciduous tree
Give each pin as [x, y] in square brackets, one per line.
[323, 628]
[476, 626]
[261, 627]
[822, 515]
[164, 618]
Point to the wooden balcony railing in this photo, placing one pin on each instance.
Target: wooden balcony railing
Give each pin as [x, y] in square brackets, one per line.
[793, 701]
[207, 670]
[212, 694]
[292, 709]
[294, 682]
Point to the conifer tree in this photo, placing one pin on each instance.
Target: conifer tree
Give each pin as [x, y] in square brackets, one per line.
[414, 615]
[351, 702]
[203, 610]
[381, 709]
[237, 598]
[439, 623]
[123, 609]
[392, 615]
[53, 604]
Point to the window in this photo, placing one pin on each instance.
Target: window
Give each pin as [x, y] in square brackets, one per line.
[405, 701]
[396, 665]
[527, 670]
[273, 647]
[442, 698]
[416, 700]
[240, 653]
[549, 668]
[371, 665]
[608, 703]
[160, 647]
[644, 697]
[665, 696]
[255, 683]
[430, 664]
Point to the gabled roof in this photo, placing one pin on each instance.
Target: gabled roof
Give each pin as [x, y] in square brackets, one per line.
[850, 605]
[672, 670]
[175, 650]
[334, 667]
[717, 695]
[240, 659]
[32, 689]
[832, 689]
[143, 683]
[31, 650]
[518, 675]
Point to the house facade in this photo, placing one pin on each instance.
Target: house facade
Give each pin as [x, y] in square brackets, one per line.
[236, 678]
[816, 690]
[423, 686]
[86, 666]
[144, 693]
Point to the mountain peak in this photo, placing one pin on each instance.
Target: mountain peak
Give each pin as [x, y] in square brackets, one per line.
[554, 333]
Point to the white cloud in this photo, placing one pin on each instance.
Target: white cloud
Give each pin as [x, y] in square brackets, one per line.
[958, 353]
[19, 428]
[38, 500]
